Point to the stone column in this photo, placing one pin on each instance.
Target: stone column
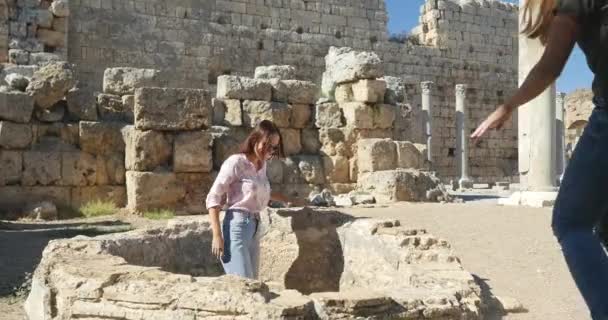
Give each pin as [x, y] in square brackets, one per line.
[427, 117]
[560, 135]
[462, 137]
[536, 125]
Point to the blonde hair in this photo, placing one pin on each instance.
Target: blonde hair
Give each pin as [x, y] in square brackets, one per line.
[536, 18]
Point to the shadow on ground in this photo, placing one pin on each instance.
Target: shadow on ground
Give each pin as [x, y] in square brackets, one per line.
[21, 246]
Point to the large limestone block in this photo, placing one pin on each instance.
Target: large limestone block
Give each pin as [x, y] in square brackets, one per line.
[101, 138]
[16, 107]
[196, 186]
[233, 113]
[11, 165]
[146, 150]
[112, 108]
[256, 111]
[336, 169]
[310, 141]
[410, 155]
[376, 155]
[242, 88]
[41, 168]
[333, 142]
[304, 92]
[124, 81]
[114, 194]
[82, 104]
[51, 83]
[153, 190]
[172, 109]
[329, 115]
[402, 185]
[110, 169]
[384, 116]
[226, 142]
[371, 91]
[358, 115]
[304, 169]
[192, 152]
[280, 72]
[292, 143]
[344, 93]
[300, 115]
[15, 135]
[78, 169]
[347, 65]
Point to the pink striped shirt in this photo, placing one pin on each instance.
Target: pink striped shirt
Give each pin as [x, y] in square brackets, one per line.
[240, 186]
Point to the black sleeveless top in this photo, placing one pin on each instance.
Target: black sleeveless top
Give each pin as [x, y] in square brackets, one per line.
[593, 39]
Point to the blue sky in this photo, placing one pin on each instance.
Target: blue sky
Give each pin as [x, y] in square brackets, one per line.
[403, 16]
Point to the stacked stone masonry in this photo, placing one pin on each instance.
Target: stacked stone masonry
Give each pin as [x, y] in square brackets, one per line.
[471, 42]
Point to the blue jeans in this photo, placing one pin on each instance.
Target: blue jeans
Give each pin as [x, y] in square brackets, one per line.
[241, 246]
[581, 205]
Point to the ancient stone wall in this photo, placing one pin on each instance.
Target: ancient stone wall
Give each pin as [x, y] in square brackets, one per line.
[472, 43]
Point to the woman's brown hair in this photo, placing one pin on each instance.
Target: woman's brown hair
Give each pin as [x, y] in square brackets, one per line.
[262, 132]
[536, 18]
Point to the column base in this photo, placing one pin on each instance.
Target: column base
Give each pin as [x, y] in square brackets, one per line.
[465, 183]
[535, 199]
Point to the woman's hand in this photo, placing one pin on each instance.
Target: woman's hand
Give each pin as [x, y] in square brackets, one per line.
[496, 120]
[217, 246]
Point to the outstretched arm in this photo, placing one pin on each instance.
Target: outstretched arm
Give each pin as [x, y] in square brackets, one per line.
[560, 42]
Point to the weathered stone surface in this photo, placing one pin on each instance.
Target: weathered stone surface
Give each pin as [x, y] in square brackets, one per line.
[192, 152]
[153, 190]
[284, 72]
[291, 141]
[395, 90]
[15, 135]
[11, 164]
[333, 142]
[274, 171]
[234, 113]
[60, 8]
[196, 186]
[16, 107]
[52, 114]
[82, 105]
[20, 196]
[358, 115]
[17, 56]
[402, 185]
[336, 169]
[111, 108]
[110, 169]
[304, 92]
[45, 210]
[17, 81]
[300, 115]
[51, 38]
[114, 194]
[376, 155]
[226, 142]
[256, 111]
[101, 138]
[371, 91]
[44, 58]
[384, 116]
[329, 115]
[145, 150]
[310, 141]
[124, 81]
[241, 88]
[78, 169]
[410, 155]
[344, 93]
[347, 65]
[218, 108]
[41, 168]
[64, 135]
[304, 169]
[44, 18]
[51, 83]
[172, 109]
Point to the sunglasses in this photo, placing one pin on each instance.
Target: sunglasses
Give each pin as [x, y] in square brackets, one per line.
[272, 149]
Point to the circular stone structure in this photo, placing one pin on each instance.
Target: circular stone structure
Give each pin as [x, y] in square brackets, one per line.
[315, 264]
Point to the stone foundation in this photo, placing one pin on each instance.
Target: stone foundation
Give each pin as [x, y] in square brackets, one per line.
[314, 265]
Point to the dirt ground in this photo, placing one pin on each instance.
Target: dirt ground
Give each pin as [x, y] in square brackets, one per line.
[510, 250]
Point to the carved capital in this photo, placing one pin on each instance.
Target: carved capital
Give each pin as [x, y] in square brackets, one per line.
[461, 90]
[427, 86]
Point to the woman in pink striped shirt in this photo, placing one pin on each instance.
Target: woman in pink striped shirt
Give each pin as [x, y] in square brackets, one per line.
[242, 185]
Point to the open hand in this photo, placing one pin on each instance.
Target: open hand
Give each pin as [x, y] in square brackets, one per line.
[217, 247]
[496, 120]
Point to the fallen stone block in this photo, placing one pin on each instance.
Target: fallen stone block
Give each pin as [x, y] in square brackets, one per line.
[347, 65]
[124, 81]
[16, 107]
[192, 152]
[256, 111]
[402, 185]
[376, 155]
[410, 155]
[51, 83]
[172, 109]
[153, 190]
[241, 88]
